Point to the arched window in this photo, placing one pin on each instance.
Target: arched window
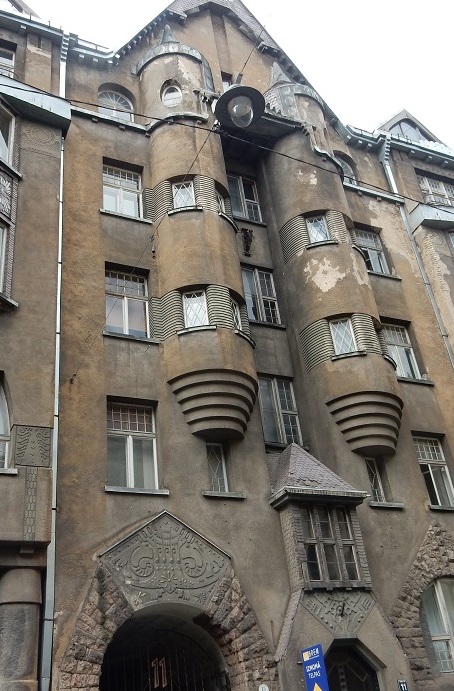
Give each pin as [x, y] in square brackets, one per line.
[438, 606]
[349, 173]
[4, 429]
[115, 104]
[171, 95]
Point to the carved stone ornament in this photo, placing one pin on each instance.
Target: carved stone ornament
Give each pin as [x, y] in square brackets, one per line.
[165, 561]
[341, 613]
[6, 190]
[32, 445]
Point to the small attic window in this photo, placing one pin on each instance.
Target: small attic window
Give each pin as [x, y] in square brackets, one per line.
[171, 95]
[408, 129]
[115, 104]
[349, 173]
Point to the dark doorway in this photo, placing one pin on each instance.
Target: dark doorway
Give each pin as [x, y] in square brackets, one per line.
[143, 657]
[348, 671]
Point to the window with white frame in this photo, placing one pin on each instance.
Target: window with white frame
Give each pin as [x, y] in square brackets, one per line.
[370, 244]
[343, 336]
[260, 296]
[329, 545]
[4, 429]
[401, 351]
[243, 197]
[121, 191]
[236, 315]
[317, 229]
[131, 446]
[2, 255]
[183, 194]
[126, 304]
[375, 473]
[278, 409]
[433, 466]
[221, 202]
[171, 95]
[438, 607]
[195, 309]
[115, 104]
[216, 468]
[437, 191]
[6, 134]
[7, 62]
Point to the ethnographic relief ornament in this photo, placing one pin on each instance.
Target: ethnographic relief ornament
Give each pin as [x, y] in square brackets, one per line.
[341, 613]
[6, 190]
[165, 561]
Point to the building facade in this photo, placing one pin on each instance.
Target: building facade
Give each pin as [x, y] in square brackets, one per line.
[230, 438]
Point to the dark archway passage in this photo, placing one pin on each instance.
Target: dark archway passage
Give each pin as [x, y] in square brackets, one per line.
[348, 671]
[163, 653]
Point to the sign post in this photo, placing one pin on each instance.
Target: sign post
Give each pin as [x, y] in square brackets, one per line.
[314, 668]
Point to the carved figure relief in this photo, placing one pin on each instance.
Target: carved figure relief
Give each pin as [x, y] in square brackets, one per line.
[166, 561]
[342, 613]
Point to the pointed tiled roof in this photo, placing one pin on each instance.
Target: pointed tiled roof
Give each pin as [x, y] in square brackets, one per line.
[299, 473]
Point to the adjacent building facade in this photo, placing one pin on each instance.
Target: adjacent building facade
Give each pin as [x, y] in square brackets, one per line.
[226, 361]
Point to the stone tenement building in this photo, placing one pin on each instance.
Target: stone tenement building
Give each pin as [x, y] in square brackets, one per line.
[226, 370]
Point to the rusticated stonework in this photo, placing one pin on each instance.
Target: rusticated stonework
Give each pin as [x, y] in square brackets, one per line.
[435, 560]
[32, 446]
[343, 613]
[167, 562]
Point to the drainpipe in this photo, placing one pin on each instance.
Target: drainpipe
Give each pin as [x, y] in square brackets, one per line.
[384, 159]
[49, 588]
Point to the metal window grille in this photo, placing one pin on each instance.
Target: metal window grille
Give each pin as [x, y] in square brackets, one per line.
[317, 229]
[279, 414]
[435, 471]
[260, 296]
[183, 194]
[401, 351]
[343, 337]
[216, 468]
[195, 309]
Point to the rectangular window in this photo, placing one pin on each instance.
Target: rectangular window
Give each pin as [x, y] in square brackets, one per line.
[260, 296]
[370, 244]
[401, 351]
[329, 545]
[6, 134]
[438, 603]
[226, 81]
[279, 414]
[317, 229]
[451, 239]
[121, 191]
[437, 191]
[435, 471]
[236, 315]
[195, 309]
[374, 472]
[4, 429]
[126, 304]
[216, 468]
[343, 336]
[183, 195]
[131, 446]
[243, 197]
[7, 62]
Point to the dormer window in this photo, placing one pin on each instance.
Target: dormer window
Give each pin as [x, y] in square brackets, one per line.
[116, 105]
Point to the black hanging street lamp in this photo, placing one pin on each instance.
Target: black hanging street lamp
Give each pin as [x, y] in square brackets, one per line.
[240, 106]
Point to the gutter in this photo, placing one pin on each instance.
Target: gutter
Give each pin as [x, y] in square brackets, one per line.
[384, 160]
[49, 587]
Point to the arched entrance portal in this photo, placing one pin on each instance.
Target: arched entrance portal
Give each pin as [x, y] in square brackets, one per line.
[348, 671]
[167, 652]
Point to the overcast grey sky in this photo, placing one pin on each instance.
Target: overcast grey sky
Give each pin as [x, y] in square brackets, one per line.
[368, 60]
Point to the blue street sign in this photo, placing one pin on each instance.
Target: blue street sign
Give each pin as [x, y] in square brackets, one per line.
[314, 668]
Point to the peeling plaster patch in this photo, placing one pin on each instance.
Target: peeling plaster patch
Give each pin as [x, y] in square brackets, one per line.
[300, 175]
[324, 274]
[313, 179]
[358, 271]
